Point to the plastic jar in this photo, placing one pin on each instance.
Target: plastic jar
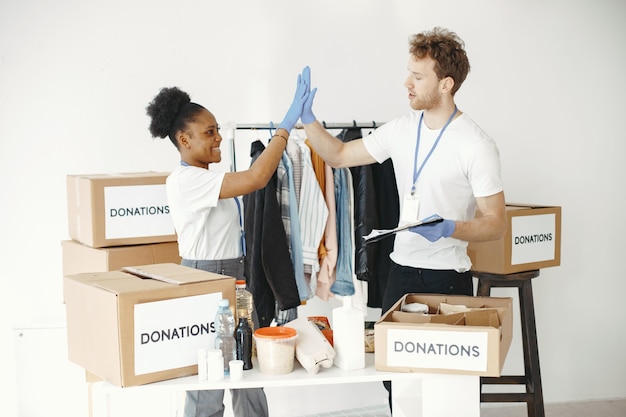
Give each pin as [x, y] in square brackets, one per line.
[275, 349]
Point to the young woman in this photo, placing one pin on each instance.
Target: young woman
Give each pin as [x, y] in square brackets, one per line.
[205, 209]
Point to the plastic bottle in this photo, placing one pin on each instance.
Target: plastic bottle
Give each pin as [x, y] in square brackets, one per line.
[349, 336]
[215, 365]
[225, 329]
[243, 337]
[202, 365]
[245, 306]
[245, 302]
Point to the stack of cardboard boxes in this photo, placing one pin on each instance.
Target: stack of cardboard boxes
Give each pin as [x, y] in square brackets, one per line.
[116, 221]
[134, 314]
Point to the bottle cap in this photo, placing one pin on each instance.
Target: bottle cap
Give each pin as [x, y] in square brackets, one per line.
[223, 302]
[240, 283]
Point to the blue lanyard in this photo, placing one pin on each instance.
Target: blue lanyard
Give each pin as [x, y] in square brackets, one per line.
[243, 235]
[417, 172]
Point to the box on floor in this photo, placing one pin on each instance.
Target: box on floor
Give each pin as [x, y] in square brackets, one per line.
[119, 209]
[145, 326]
[474, 342]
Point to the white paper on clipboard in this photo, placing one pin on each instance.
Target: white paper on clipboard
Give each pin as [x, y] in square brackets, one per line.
[378, 234]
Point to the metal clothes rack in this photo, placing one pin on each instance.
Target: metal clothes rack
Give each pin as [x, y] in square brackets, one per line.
[270, 126]
[348, 125]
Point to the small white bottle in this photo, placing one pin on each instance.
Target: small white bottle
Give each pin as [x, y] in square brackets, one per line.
[349, 336]
[215, 365]
[202, 365]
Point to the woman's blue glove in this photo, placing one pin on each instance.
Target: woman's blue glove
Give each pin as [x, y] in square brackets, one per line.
[435, 231]
[295, 110]
[307, 111]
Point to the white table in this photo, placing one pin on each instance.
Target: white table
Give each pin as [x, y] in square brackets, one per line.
[413, 394]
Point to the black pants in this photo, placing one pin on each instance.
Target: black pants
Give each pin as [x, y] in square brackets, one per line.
[405, 279]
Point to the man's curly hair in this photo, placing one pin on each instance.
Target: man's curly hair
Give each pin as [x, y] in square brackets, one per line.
[447, 50]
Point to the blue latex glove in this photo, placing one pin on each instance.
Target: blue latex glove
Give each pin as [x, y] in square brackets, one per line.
[307, 111]
[434, 232]
[295, 110]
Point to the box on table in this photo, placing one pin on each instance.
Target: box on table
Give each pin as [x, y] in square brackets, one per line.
[145, 326]
[532, 241]
[472, 343]
[119, 209]
[78, 257]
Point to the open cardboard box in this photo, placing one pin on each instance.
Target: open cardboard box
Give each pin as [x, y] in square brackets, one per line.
[142, 324]
[474, 342]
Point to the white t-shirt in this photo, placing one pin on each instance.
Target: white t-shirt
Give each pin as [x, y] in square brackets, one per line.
[464, 165]
[208, 228]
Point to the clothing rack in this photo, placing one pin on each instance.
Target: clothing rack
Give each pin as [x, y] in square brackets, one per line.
[348, 125]
[231, 127]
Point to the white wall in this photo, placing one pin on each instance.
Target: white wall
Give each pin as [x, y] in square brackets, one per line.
[546, 82]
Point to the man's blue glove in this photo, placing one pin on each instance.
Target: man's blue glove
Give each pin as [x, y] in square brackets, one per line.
[295, 110]
[435, 231]
[307, 111]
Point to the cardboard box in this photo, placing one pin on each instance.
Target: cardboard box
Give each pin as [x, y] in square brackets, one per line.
[78, 257]
[532, 241]
[119, 209]
[472, 343]
[141, 327]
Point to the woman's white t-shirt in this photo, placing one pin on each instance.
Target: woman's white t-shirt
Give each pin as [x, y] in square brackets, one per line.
[208, 227]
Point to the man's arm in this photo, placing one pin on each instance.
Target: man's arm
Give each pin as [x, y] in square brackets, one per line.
[489, 223]
[336, 153]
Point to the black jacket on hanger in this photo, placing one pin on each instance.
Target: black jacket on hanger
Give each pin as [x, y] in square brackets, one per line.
[268, 268]
[376, 206]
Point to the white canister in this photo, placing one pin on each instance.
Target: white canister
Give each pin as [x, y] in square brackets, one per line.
[349, 336]
[215, 365]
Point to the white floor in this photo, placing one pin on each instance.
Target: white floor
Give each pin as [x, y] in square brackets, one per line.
[606, 408]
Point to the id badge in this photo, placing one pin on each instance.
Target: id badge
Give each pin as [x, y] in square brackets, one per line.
[410, 208]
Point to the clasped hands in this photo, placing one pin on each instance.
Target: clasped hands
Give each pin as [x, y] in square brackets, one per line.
[302, 104]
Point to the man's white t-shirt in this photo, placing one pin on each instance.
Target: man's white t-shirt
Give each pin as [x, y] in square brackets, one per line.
[464, 165]
[208, 228]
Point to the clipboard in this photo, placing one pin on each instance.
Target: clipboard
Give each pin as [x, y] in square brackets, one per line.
[378, 234]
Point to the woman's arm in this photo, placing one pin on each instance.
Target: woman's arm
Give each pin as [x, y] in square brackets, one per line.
[260, 172]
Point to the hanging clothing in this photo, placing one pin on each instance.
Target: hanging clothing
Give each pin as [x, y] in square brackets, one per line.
[376, 206]
[327, 252]
[313, 215]
[268, 267]
[286, 196]
[389, 216]
[343, 284]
